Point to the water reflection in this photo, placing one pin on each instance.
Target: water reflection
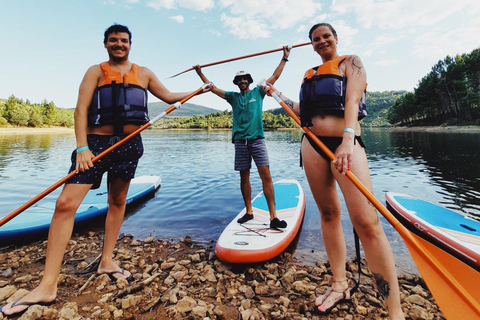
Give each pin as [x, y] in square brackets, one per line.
[449, 160]
[200, 191]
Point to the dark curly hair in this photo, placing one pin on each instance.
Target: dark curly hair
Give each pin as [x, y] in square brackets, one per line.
[116, 28]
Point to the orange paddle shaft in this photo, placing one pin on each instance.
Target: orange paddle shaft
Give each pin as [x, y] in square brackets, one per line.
[430, 259]
[35, 199]
[242, 57]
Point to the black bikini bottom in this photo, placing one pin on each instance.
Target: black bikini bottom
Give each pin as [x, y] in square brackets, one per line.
[332, 143]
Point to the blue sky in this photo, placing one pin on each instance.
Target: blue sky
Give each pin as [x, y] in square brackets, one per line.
[48, 45]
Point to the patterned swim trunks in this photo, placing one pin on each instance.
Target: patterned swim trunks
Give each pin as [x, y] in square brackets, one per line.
[119, 163]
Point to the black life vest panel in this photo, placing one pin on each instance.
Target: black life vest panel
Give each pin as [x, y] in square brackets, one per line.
[118, 100]
[323, 92]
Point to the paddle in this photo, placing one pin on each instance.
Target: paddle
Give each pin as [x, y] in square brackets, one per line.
[453, 284]
[242, 57]
[98, 157]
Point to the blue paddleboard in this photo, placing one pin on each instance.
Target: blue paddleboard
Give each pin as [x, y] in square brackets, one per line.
[35, 221]
[451, 231]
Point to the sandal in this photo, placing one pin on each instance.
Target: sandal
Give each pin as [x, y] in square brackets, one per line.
[27, 304]
[346, 296]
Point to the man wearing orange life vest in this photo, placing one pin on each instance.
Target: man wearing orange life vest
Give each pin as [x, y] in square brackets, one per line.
[118, 107]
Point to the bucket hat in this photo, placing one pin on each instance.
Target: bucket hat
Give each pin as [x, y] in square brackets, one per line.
[242, 73]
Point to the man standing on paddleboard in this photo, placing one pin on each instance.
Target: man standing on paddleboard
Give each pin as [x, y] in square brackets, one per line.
[112, 103]
[249, 138]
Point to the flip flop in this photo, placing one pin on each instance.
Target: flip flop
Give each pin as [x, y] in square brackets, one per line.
[113, 278]
[28, 304]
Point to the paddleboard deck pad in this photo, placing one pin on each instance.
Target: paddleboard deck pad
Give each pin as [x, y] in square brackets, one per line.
[254, 241]
[451, 231]
[34, 222]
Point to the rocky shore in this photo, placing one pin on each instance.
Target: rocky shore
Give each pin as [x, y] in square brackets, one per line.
[184, 280]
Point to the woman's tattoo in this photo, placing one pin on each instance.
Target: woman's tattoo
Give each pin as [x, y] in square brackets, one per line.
[289, 103]
[382, 285]
[357, 66]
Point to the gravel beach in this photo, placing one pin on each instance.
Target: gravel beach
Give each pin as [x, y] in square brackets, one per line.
[184, 280]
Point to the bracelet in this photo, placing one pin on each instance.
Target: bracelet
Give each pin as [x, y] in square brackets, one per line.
[349, 130]
[82, 149]
[284, 59]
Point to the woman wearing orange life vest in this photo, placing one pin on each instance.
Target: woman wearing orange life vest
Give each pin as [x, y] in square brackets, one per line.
[331, 109]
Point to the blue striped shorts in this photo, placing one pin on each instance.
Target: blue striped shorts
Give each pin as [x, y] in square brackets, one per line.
[247, 149]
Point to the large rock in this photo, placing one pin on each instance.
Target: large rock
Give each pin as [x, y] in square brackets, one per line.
[186, 304]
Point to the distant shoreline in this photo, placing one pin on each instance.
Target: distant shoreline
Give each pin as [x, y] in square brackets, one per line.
[471, 129]
[64, 130]
[26, 130]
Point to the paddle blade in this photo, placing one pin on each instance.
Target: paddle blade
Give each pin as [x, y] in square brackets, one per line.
[456, 289]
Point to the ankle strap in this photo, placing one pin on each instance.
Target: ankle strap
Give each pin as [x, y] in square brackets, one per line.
[344, 280]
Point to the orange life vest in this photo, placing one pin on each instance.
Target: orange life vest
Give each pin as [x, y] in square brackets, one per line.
[323, 92]
[118, 100]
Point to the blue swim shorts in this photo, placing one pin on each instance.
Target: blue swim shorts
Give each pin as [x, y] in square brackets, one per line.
[119, 163]
[247, 149]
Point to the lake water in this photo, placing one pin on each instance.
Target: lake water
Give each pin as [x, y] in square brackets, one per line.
[200, 191]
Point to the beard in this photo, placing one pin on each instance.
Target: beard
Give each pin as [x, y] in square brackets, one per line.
[116, 58]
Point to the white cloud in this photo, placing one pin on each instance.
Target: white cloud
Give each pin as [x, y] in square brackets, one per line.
[367, 53]
[301, 29]
[401, 14]
[346, 34]
[261, 17]
[245, 28]
[386, 62]
[412, 34]
[215, 32]
[161, 4]
[198, 5]
[178, 19]
[386, 39]
[438, 43]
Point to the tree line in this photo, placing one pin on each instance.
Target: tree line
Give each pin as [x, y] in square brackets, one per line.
[17, 112]
[223, 120]
[21, 113]
[449, 93]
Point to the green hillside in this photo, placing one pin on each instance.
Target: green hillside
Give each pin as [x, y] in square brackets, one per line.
[377, 107]
[185, 110]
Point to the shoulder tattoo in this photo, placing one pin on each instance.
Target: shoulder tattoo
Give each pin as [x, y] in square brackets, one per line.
[356, 65]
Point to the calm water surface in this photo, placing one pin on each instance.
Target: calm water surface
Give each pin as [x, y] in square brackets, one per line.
[200, 190]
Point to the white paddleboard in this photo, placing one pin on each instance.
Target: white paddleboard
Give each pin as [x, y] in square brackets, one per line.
[254, 241]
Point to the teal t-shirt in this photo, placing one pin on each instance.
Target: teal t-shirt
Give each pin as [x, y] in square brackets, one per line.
[247, 113]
